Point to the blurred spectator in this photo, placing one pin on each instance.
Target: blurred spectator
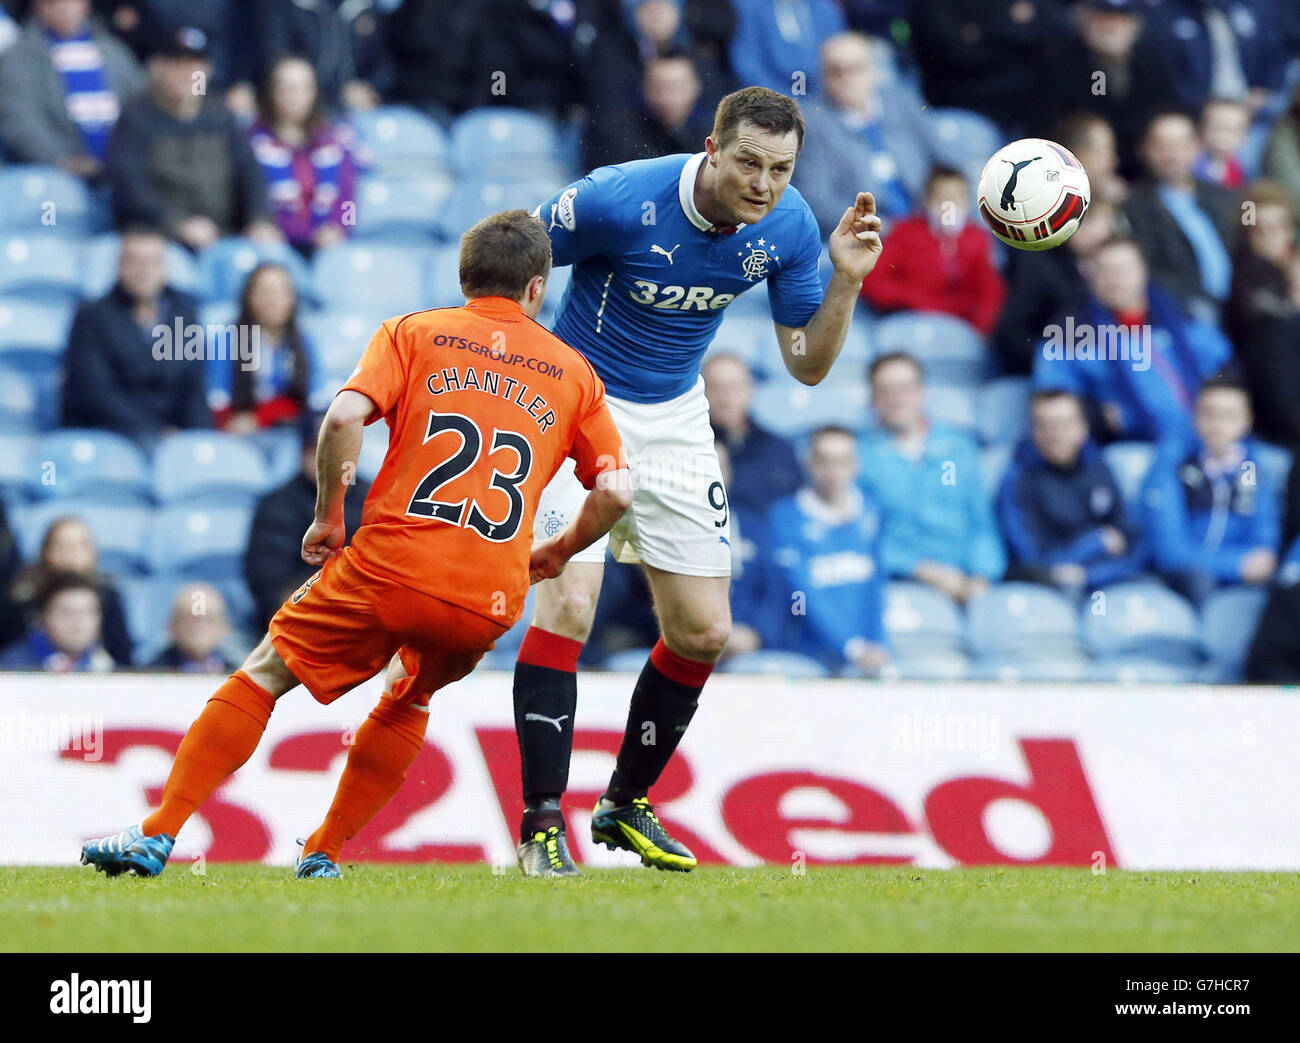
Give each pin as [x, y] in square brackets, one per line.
[1044, 286]
[310, 164]
[11, 616]
[867, 130]
[1274, 656]
[988, 55]
[432, 34]
[701, 29]
[62, 86]
[1224, 126]
[65, 637]
[669, 118]
[827, 582]
[122, 371]
[273, 564]
[940, 260]
[764, 466]
[227, 24]
[776, 43]
[1214, 517]
[180, 161]
[528, 57]
[1185, 227]
[1092, 140]
[198, 628]
[273, 388]
[343, 40]
[1059, 507]
[69, 549]
[1263, 314]
[1132, 354]
[1282, 156]
[938, 523]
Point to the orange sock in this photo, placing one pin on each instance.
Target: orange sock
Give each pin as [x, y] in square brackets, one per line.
[217, 744]
[382, 751]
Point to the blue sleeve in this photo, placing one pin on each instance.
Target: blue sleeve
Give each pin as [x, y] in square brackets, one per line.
[584, 219]
[1017, 528]
[1267, 528]
[1166, 509]
[1065, 374]
[794, 292]
[1213, 350]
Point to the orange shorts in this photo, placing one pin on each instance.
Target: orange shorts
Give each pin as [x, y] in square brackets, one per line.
[343, 625]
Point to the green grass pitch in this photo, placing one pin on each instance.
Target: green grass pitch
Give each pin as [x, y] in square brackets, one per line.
[469, 908]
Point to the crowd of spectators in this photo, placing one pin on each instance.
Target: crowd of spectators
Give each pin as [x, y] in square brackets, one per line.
[197, 125]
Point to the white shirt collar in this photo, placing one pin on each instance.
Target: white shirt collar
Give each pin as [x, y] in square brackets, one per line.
[686, 194]
[819, 510]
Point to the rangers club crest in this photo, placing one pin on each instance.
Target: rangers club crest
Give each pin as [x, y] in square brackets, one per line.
[552, 522]
[761, 256]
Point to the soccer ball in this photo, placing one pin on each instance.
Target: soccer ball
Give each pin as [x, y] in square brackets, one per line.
[1033, 193]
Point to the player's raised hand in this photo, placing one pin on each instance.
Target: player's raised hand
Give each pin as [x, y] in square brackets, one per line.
[322, 541]
[547, 560]
[855, 244]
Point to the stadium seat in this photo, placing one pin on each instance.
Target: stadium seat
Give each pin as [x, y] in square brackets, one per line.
[29, 398]
[556, 285]
[444, 279]
[920, 620]
[951, 350]
[474, 198]
[954, 406]
[1010, 668]
[1138, 669]
[773, 663]
[1229, 618]
[120, 531]
[1141, 618]
[208, 467]
[787, 408]
[964, 140]
[1023, 620]
[15, 475]
[401, 140]
[99, 266]
[47, 199]
[147, 601]
[994, 460]
[94, 466]
[41, 267]
[282, 449]
[340, 338]
[936, 665]
[203, 543]
[1130, 462]
[400, 210]
[501, 141]
[224, 266]
[1002, 410]
[33, 326]
[753, 338]
[372, 278]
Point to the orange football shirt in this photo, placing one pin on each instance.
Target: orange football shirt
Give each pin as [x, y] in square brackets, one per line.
[483, 405]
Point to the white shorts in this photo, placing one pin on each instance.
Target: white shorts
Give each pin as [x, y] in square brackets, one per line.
[679, 520]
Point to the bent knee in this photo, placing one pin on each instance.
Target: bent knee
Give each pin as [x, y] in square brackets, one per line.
[704, 643]
[569, 613]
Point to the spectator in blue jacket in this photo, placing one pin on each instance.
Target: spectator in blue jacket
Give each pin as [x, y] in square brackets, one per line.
[827, 582]
[938, 524]
[776, 42]
[1131, 353]
[764, 466]
[1060, 508]
[1214, 516]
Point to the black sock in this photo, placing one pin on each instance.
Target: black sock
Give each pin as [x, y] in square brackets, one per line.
[540, 814]
[545, 701]
[660, 711]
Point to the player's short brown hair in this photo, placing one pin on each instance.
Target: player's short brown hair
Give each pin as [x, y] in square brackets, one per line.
[502, 254]
[763, 108]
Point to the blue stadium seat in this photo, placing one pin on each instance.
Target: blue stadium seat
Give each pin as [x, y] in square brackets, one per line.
[224, 266]
[954, 406]
[282, 449]
[501, 141]
[1057, 668]
[935, 665]
[773, 663]
[400, 139]
[33, 326]
[29, 397]
[1139, 669]
[1143, 619]
[994, 460]
[1024, 620]
[120, 531]
[964, 140]
[147, 601]
[1002, 410]
[556, 285]
[46, 199]
[203, 543]
[94, 466]
[41, 267]
[753, 338]
[400, 209]
[788, 408]
[1229, 618]
[208, 467]
[920, 620]
[444, 279]
[99, 266]
[474, 198]
[340, 338]
[951, 349]
[15, 474]
[1130, 462]
[372, 278]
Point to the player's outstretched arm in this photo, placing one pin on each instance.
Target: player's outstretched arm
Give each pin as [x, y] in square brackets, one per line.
[855, 247]
[337, 449]
[602, 509]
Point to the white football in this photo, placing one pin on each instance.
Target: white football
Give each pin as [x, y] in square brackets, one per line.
[1033, 193]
